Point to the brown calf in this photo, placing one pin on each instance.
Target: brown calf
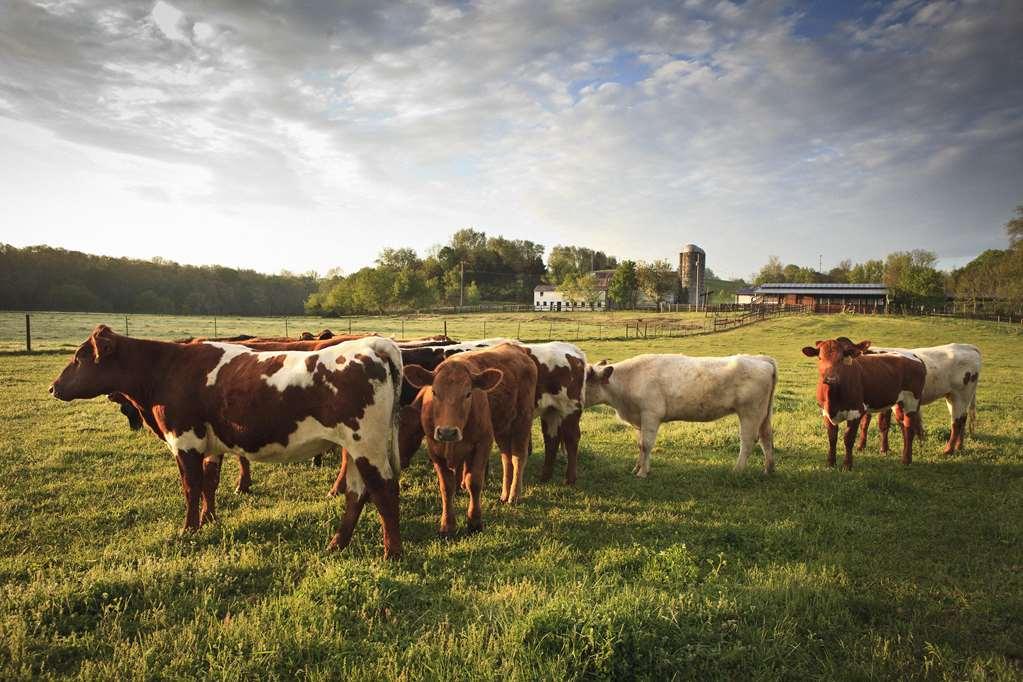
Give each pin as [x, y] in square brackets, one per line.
[469, 401]
[851, 384]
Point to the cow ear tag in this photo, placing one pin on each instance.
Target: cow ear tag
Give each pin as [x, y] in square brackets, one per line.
[847, 360]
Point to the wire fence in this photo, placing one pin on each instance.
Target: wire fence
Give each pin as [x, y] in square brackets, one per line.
[51, 331]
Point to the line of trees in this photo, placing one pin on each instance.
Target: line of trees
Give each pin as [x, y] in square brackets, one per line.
[992, 281]
[47, 278]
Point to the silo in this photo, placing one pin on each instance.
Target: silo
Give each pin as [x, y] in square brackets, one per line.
[692, 274]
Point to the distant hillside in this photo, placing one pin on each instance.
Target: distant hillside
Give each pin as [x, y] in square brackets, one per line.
[46, 278]
[724, 289]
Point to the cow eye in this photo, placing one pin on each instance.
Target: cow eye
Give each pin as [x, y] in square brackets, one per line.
[468, 395]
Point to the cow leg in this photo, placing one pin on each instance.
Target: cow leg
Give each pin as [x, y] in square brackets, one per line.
[342, 475]
[318, 460]
[908, 432]
[190, 468]
[851, 427]
[747, 438]
[210, 483]
[518, 472]
[353, 510]
[960, 428]
[474, 478]
[446, 483]
[832, 440]
[549, 425]
[506, 474]
[244, 484]
[647, 438]
[384, 493]
[884, 422]
[569, 433]
[518, 448]
[864, 426]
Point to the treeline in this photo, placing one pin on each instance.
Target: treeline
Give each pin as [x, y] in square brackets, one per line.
[470, 268]
[992, 281]
[47, 278]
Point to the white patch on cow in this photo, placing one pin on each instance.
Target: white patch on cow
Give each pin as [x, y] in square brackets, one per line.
[842, 416]
[231, 351]
[187, 440]
[292, 373]
[909, 402]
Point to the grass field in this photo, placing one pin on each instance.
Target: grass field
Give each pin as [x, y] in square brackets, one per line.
[884, 572]
[60, 330]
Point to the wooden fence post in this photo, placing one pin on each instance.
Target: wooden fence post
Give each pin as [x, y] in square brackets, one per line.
[550, 332]
[28, 333]
[126, 332]
[349, 326]
[403, 328]
[285, 327]
[518, 334]
[445, 327]
[214, 325]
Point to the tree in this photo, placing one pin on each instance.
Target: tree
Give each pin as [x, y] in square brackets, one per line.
[867, 272]
[623, 285]
[656, 280]
[398, 259]
[773, 271]
[472, 293]
[1014, 228]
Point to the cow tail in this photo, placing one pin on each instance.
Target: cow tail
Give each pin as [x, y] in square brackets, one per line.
[971, 418]
[765, 424]
[395, 370]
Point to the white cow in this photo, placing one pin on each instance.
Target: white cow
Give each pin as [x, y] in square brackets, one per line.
[648, 390]
[952, 373]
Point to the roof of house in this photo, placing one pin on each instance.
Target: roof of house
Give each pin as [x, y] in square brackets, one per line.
[745, 291]
[545, 287]
[823, 288]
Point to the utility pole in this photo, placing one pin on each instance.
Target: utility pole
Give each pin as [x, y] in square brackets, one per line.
[820, 262]
[461, 283]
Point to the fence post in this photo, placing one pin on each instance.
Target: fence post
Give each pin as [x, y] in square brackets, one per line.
[518, 334]
[484, 329]
[349, 326]
[28, 333]
[285, 327]
[445, 327]
[214, 325]
[403, 328]
[550, 332]
[126, 332]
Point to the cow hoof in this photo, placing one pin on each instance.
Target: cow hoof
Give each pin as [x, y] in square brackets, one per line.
[642, 474]
[569, 481]
[445, 534]
[472, 529]
[242, 490]
[188, 531]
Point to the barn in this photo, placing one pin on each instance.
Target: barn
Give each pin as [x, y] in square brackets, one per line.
[825, 297]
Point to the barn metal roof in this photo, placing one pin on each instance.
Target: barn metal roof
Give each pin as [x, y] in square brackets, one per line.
[824, 288]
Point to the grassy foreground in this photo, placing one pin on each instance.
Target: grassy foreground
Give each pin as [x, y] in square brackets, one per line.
[696, 572]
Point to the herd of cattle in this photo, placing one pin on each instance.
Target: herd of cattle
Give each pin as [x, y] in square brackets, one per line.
[281, 400]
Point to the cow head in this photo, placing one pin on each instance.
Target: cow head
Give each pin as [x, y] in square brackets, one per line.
[597, 378]
[833, 356]
[94, 369]
[325, 334]
[450, 398]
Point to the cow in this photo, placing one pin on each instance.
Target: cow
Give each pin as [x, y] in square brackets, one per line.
[561, 381]
[852, 383]
[471, 400]
[952, 373]
[206, 399]
[649, 390]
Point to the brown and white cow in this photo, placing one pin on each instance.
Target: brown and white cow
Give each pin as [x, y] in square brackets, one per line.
[471, 400]
[648, 390]
[953, 370]
[558, 403]
[851, 384]
[206, 399]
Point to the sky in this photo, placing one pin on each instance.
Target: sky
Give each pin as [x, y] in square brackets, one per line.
[309, 135]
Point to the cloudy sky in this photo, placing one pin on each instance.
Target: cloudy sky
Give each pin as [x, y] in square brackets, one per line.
[308, 135]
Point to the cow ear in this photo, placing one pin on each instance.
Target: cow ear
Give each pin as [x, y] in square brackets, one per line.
[603, 362]
[604, 375]
[488, 379]
[325, 334]
[856, 349]
[418, 376]
[811, 351]
[306, 336]
[104, 343]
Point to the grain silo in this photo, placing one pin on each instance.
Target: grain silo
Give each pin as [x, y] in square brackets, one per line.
[692, 274]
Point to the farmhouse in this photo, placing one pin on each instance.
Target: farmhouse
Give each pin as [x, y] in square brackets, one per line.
[824, 297]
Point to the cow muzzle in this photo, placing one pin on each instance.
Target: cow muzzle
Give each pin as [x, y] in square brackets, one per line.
[447, 434]
[831, 380]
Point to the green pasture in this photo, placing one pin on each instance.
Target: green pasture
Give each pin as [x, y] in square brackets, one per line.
[884, 572]
[60, 330]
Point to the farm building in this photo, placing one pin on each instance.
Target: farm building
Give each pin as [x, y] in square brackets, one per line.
[744, 296]
[825, 297]
[549, 297]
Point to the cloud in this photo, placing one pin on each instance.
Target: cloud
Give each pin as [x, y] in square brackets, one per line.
[712, 122]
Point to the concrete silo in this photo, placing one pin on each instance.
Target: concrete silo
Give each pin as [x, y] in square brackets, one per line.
[692, 274]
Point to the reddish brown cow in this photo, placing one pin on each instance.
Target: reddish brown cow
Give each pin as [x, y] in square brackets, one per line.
[206, 399]
[469, 401]
[852, 383]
